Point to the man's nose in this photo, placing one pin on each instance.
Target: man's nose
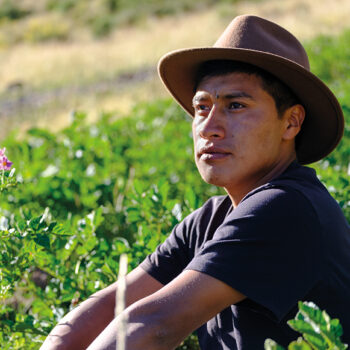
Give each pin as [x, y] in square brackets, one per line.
[213, 125]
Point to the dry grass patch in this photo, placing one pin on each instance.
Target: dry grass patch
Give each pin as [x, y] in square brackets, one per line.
[49, 65]
[304, 18]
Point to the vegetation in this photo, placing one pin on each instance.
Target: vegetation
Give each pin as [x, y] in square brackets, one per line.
[9, 11]
[52, 63]
[84, 195]
[319, 331]
[88, 194]
[100, 17]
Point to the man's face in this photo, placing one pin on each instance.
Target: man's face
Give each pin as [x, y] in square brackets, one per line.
[236, 129]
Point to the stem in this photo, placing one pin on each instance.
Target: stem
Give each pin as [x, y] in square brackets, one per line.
[120, 302]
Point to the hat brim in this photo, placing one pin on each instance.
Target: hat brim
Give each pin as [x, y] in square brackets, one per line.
[324, 122]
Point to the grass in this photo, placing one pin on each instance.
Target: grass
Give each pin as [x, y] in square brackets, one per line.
[82, 62]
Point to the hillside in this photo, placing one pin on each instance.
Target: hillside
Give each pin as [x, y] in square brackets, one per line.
[53, 61]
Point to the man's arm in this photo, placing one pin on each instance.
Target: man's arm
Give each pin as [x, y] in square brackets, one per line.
[162, 320]
[83, 324]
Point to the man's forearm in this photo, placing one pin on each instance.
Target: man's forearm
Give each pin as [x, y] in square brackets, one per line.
[83, 324]
[146, 329]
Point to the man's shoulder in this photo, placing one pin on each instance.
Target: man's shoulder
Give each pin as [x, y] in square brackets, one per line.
[215, 202]
[275, 200]
[215, 208]
[297, 194]
[289, 197]
[298, 185]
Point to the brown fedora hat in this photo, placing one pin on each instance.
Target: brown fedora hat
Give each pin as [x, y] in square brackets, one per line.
[262, 43]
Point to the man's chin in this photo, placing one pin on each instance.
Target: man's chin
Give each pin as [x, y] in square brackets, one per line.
[211, 179]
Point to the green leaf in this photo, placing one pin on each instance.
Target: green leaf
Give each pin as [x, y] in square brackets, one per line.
[35, 222]
[190, 198]
[67, 296]
[43, 258]
[163, 188]
[139, 187]
[318, 329]
[98, 217]
[112, 262]
[272, 345]
[316, 340]
[300, 325]
[336, 327]
[81, 250]
[42, 240]
[60, 229]
[311, 311]
[133, 214]
[103, 246]
[51, 226]
[299, 344]
[90, 243]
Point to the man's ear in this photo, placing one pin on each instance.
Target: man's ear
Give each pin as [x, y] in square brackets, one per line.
[294, 117]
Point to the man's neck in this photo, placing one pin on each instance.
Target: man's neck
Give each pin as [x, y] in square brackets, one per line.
[237, 193]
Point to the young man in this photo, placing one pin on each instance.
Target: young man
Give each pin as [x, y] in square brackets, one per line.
[235, 269]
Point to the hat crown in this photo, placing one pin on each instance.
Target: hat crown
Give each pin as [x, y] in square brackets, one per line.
[255, 33]
[266, 45]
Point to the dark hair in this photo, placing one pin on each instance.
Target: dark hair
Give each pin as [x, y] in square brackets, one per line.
[281, 93]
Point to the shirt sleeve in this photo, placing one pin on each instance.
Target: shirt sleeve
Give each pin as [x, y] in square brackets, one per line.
[268, 248]
[172, 256]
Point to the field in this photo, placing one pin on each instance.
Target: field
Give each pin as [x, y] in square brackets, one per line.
[115, 179]
[44, 78]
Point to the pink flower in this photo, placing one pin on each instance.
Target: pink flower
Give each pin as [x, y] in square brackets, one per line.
[5, 164]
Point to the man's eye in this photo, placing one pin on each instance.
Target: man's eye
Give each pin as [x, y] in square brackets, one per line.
[202, 107]
[235, 105]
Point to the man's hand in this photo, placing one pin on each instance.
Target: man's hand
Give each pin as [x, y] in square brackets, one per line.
[162, 320]
[83, 324]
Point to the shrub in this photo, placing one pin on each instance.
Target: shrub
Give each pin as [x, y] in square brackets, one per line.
[112, 188]
[60, 5]
[102, 25]
[10, 11]
[44, 29]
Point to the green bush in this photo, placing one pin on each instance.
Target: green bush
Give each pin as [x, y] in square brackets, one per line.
[10, 11]
[60, 5]
[102, 25]
[112, 188]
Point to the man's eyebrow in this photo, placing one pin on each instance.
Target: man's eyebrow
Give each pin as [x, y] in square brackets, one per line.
[235, 95]
[201, 97]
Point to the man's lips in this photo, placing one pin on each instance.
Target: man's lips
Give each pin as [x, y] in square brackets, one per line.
[212, 153]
